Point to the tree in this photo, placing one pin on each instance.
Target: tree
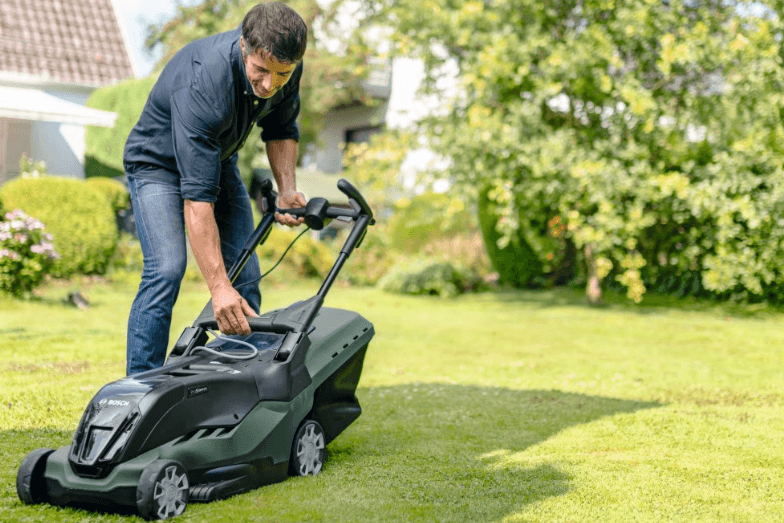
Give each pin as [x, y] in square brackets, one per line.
[650, 130]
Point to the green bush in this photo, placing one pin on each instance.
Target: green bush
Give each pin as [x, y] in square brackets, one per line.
[114, 190]
[104, 146]
[516, 262]
[26, 253]
[308, 258]
[371, 261]
[425, 218]
[429, 277]
[465, 250]
[78, 216]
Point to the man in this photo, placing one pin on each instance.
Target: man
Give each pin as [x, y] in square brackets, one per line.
[181, 162]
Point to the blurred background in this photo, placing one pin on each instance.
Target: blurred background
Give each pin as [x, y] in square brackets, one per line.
[631, 147]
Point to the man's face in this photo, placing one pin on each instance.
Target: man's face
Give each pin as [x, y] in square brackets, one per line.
[265, 74]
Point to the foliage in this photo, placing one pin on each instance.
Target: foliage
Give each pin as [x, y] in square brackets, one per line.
[429, 277]
[372, 260]
[78, 216]
[307, 258]
[128, 256]
[426, 217]
[653, 130]
[114, 190]
[329, 79]
[375, 167]
[513, 258]
[104, 146]
[466, 250]
[26, 253]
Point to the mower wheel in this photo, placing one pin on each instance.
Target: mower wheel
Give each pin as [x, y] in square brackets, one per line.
[163, 490]
[309, 450]
[30, 483]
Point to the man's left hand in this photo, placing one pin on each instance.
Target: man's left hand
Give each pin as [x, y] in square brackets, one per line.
[290, 200]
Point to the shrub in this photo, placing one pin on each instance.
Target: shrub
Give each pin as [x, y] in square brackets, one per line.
[516, 262]
[308, 258]
[425, 218]
[78, 216]
[371, 261]
[104, 146]
[26, 253]
[465, 250]
[114, 191]
[429, 277]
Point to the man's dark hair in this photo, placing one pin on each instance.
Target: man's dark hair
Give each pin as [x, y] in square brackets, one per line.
[277, 29]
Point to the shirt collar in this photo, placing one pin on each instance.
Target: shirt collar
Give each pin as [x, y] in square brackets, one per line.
[236, 56]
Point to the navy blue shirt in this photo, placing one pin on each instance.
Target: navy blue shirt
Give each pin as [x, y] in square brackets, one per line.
[200, 112]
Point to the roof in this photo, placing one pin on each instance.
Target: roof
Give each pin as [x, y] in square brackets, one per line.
[65, 41]
[32, 104]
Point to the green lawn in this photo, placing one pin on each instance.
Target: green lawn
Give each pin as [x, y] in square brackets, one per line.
[507, 406]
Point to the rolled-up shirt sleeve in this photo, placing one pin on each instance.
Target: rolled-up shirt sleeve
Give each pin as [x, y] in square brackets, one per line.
[281, 123]
[196, 126]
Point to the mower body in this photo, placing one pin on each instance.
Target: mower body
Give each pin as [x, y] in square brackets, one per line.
[229, 423]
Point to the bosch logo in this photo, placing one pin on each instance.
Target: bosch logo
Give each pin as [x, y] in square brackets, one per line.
[113, 403]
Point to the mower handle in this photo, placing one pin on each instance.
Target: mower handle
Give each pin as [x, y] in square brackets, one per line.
[319, 209]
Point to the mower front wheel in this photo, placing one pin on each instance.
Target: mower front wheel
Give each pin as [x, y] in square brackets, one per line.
[30, 482]
[163, 490]
[309, 449]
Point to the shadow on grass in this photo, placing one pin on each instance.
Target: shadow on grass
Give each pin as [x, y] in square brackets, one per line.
[437, 452]
[419, 452]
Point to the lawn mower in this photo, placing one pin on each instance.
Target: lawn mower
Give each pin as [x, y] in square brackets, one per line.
[225, 416]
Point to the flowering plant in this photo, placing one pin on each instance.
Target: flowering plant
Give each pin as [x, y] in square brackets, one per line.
[26, 253]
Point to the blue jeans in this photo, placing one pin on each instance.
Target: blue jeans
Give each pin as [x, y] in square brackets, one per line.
[158, 210]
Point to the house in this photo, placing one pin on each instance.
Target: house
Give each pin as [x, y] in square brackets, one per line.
[397, 104]
[53, 55]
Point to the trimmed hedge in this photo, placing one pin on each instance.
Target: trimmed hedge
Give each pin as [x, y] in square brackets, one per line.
[104, 146]
[114, 190]
[79, 217]
[517, 263]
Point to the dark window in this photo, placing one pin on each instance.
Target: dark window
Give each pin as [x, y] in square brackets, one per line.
[361, 134]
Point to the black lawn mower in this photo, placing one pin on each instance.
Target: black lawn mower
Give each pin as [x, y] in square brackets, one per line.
[223, 417]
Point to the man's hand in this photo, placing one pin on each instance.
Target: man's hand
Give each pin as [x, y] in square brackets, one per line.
[230, 310]
[290, 200]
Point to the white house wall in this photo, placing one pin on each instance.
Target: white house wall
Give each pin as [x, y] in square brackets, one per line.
[17, 143]
[329, 157]
[60, 146]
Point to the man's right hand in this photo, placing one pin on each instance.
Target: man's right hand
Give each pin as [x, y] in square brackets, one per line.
[230, 310]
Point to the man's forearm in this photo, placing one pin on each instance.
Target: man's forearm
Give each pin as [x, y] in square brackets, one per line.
[205, 242]
[282, 156]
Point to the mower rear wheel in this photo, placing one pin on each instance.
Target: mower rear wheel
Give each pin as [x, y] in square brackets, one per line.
[309, 449]
[30, 482]
[163, 490]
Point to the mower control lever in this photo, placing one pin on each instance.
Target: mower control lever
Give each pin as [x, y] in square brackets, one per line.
[319, 209]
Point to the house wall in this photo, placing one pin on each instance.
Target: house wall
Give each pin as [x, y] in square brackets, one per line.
[329, 157]
[16, 143]
[60, 145]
